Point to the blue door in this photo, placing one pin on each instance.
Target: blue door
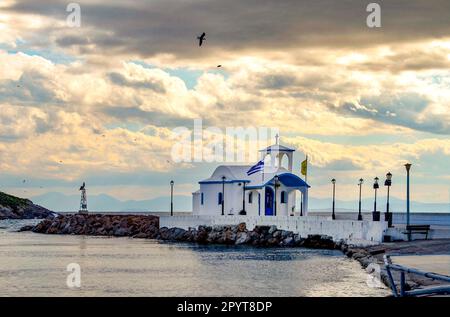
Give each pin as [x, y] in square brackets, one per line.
[269, 202]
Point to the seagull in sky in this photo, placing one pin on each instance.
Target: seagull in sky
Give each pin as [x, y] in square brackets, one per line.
[201, 38]
[219, 65]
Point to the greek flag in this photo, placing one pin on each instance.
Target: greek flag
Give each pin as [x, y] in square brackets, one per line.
[256, 168]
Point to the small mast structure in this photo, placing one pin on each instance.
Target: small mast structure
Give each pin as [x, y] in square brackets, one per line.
[83, 201]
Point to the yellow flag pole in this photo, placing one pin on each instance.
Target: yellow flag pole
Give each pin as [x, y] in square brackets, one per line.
[306, 174]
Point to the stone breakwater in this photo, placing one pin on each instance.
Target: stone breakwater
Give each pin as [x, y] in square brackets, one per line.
[100, 225]
[148, 227]
[265, 236]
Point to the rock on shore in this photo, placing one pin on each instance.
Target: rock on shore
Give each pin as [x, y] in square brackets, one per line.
[266, 236]
[101, 225]
[12, 207]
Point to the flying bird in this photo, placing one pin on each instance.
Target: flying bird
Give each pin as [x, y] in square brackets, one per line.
[83, 186]
[201, 38]
[219, 65]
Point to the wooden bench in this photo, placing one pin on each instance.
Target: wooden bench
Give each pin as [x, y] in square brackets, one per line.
[422, 229]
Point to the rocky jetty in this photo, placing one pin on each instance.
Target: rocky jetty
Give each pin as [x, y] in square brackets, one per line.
[148, 227]
[265, 236]
[12, 207]
[136, 226]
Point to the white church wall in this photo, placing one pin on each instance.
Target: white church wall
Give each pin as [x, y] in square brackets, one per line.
[232, 202]
[195, 203]
[360, 232]
[252, 209]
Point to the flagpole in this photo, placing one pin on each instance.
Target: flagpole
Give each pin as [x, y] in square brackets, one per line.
[306, 173]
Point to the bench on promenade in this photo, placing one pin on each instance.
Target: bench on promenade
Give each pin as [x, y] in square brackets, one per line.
[421, 229]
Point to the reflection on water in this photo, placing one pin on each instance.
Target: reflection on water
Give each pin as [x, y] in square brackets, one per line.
[35, 265]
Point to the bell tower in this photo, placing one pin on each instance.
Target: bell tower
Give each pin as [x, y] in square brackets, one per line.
[277, 152]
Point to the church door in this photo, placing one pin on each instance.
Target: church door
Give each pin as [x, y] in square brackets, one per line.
[269, 202]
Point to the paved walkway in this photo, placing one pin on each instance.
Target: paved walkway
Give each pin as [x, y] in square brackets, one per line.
[439, 264]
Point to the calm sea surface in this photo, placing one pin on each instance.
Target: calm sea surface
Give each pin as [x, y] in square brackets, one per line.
[35, 265]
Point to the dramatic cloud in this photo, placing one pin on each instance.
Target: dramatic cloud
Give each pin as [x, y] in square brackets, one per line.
[103, 99]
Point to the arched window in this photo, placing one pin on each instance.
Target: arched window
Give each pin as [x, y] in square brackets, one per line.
[201, 198]
[283, 197]
[250, 198]
[219, 199]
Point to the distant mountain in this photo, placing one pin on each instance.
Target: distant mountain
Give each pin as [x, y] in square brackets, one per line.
[103, 202]
[61, 202]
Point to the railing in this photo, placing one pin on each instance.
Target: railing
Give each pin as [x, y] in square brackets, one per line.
[403, 270]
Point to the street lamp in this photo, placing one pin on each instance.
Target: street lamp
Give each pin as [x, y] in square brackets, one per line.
[333, 215]
[223, 195]
[375, 215]
[276, 185]
[171, 197]
[388, 183]
[360, 190]
[243, 212]
[408, 167]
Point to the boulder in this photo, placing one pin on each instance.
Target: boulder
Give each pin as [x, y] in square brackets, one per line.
[241, 227]
[26, 228]
[242, 238]
[288, 242]
[272, 229]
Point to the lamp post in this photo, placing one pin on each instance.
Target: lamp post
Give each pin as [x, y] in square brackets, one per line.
[360, 191]
[375, 215]
[171, 197]
[243, 198]
[388, 183]
[301, 205]
[275, 200]
[223, 195]
[408, 167]
[333, 215]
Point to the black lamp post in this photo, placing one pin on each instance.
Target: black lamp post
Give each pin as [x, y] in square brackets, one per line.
[388, 183]
[375, 213]
[223, 195]
[360, 191]
[243, 198]
[301, 205]
[408, 167]
[333, 215]
[171, 197]
[275, 200]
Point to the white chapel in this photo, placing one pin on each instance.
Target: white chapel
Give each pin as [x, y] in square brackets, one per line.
[265, 189]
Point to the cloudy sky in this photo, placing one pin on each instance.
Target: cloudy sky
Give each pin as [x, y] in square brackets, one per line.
[98, 103]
